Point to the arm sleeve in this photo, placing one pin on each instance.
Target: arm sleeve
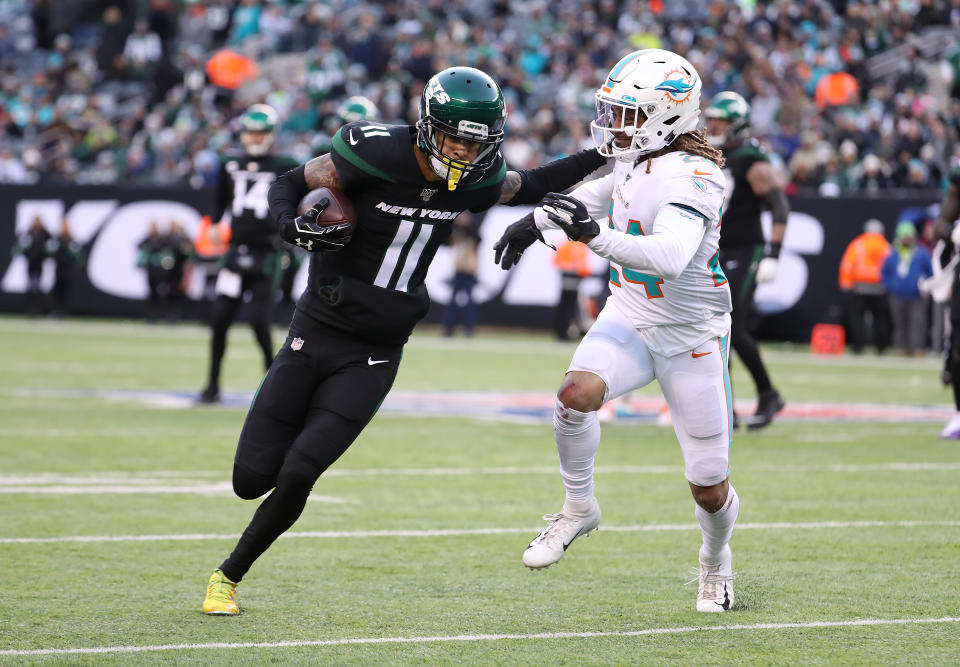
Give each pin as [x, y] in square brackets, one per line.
[666, 252]
[285, 193]
[224, 193]
[556, 176]
[594, 194]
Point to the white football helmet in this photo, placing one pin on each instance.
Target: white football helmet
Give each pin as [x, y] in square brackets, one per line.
[649, 98]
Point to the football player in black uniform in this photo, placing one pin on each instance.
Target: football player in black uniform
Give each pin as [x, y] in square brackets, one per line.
[251, 263]
[949, 231]
[744, 256]
[364, 296]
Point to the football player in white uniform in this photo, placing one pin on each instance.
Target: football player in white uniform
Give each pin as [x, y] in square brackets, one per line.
[668, 316]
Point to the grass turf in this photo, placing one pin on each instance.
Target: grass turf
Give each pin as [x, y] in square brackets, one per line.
[64, 595]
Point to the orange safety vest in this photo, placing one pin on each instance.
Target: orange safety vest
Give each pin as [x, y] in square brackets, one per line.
[863, 259]
[573, 257]
[211, 240]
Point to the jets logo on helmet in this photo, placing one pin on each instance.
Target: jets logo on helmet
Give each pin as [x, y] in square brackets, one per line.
[258, 127]
[648, 99]
[733, 108]
[465, 103]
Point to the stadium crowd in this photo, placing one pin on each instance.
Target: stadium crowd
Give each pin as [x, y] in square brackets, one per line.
[852, 96]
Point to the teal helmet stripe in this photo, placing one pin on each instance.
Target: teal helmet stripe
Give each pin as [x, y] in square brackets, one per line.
[623, 63]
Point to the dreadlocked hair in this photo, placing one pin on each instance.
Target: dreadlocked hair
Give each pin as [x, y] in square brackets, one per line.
[695, 143]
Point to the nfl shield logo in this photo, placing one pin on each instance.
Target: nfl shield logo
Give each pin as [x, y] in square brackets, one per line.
[296, 344]
[426, 193]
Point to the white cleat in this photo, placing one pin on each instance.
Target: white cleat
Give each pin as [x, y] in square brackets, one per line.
[715, 593]
[562, 529]
[952, 430]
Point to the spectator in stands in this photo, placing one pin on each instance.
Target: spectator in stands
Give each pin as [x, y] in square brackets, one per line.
[873, 180]
[33, 245]
[904, 267]
[142, 52]
[861, 277]
[379, 50]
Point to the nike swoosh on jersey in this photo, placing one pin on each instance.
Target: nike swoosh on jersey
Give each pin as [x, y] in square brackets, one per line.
[697, 172]
[373, 362]
[697, 355]
[353, 142]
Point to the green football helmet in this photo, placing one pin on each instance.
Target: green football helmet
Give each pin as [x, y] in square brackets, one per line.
[729, 106]
[259, 119]
[357, 107]
[462, 102]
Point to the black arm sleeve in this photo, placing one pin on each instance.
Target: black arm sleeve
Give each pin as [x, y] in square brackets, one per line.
[285, 193]
[224, 192]
[779, 206]
[556, 176]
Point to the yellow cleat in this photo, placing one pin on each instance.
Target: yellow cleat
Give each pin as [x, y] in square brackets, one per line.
[221, 596]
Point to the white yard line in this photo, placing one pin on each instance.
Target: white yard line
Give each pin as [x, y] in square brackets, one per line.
[483, 637]
[459, 532]
[188, 478]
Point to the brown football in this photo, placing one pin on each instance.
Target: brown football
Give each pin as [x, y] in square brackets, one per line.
[339, 210]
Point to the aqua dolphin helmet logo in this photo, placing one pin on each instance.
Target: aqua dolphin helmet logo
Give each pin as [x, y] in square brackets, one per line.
[678, 85]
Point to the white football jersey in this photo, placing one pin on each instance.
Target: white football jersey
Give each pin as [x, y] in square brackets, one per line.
[674, 314]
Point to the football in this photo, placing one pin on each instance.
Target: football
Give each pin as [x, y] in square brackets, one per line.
[340, 210]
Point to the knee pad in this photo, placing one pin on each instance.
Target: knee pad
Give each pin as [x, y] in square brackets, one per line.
[708, 470]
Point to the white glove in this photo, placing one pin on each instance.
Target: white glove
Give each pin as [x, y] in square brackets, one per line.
[955, 235]
[767, 270]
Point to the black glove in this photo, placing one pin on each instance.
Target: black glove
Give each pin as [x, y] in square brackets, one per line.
[570, 215]
[516, 238]
[303, 231]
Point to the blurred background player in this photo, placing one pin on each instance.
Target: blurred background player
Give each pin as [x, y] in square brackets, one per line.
[34, 246]
[252, 262]
[747, 259]
[667, 317]
[948, 229]
[366, 293]
[67, 256]
[861, 278]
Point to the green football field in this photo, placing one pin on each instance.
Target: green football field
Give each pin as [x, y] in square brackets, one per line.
[115, 505]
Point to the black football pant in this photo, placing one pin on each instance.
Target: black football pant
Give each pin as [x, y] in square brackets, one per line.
[322, 389]
[740, 267]
[225, 312]
[953, 359]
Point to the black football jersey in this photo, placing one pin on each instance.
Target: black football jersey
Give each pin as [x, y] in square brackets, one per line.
[740, 224]
[242, 188]
[374, 287]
